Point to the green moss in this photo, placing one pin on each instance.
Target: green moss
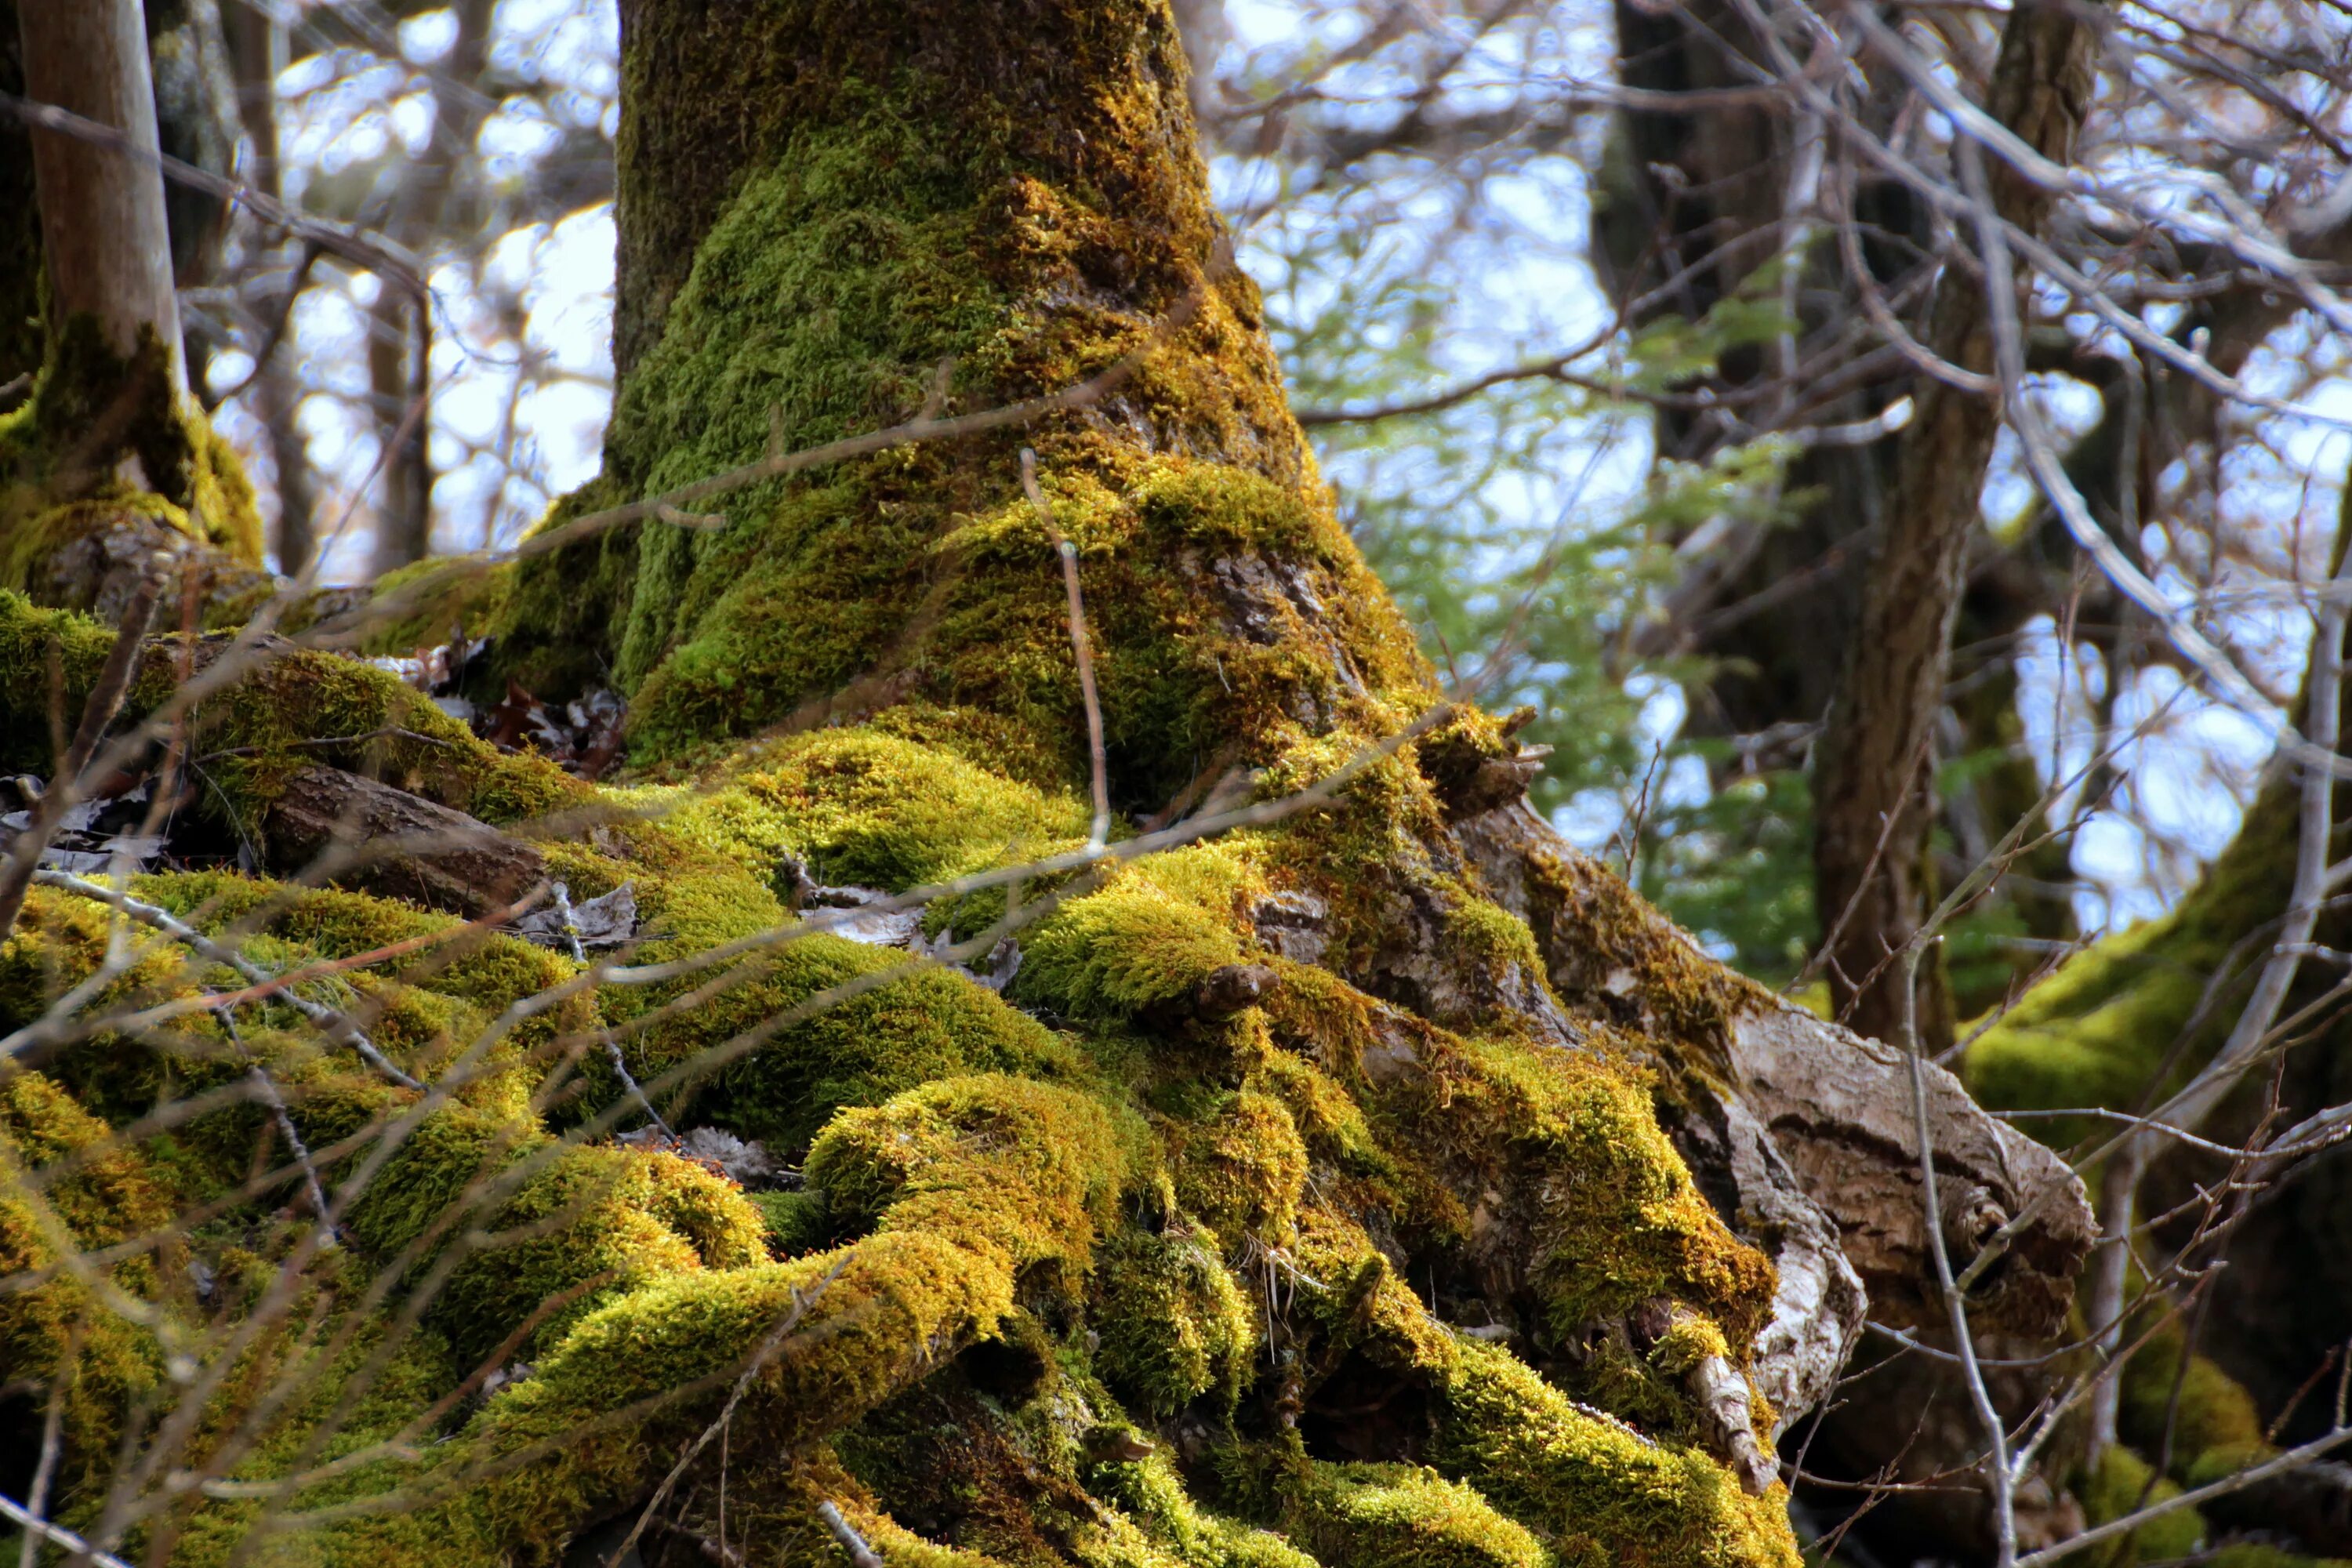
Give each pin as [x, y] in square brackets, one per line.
[2215, 1430]
[1596, 1492]
[1405, 1515]
[872, 810]
[2095, 1032]
[1021, 1172]
[56, 1325]
[797, 1221]
[1174, 1322]
[587, 1214]
[442, 598]
[996, 1236]
[1151, 935]
[1603, 946]
[1241, 1172]
[90, 410]
[927, 1024]
[249, 734]
[2122, 1484]
[1152, 1493]
[1498, 939]
[844, 242]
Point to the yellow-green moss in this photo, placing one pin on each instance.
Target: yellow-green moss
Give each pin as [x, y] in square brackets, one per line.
[1021, 1170]
[1174, 1322]
[874, 810]
[383, 726]
[2215, 1428]
[1151, 1490]
[1596, 1492]
[1242, 1171]
[1151, 935]
[2122, 1485]
[1405, 1515]
[441, 598]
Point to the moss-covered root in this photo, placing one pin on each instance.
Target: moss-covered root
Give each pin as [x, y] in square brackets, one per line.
[104, 467]
[966, 1187]
[1403, 1516]
[1593, 1489]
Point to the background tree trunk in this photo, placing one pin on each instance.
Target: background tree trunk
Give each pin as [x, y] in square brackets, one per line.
[102, 226]
[256, 47]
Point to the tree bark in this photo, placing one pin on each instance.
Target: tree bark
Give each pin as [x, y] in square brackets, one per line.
[256, 42]
[102, 227]
[1875, 779]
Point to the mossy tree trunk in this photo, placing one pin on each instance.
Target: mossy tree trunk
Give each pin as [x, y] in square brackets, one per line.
[2129, 1022]
[1375, 1182]
[105, 459]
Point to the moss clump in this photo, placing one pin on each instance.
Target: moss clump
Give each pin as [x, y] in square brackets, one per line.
[1017, 1170]
[1242, 1171]
[1150, 936]
[1175, 1323]
[531, 1223]
[62, 1325]
[1593, 1489]
[1497, 939]
[873, 810]
[1405, 1515]
[2122, 1485]
[1152, 1493]
[261, 730]
[1611, 955]
[441, 599]
[926, 1023]
[2210, 1430]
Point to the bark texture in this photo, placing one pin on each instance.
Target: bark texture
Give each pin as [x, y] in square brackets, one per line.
[1383, 1184]
[1873, 781]
[103, 232]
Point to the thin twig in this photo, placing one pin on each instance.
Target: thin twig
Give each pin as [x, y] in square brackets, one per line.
[2292, 1460]
[371, 251]
[863, 1555]
[1069, 552]
[801, 1301]
[34, 1524]
[266, 1092]
[36, 1497]
[337, 1025]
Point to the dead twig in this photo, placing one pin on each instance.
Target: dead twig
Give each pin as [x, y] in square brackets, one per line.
[1069, 553]
[337, 1025]
[860, 1553]
[801, 1301]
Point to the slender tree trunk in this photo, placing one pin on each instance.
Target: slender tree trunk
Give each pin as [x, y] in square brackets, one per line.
[255, 43]
[102, 226]
[400, 329]
[1873, 793]
[20, 243]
